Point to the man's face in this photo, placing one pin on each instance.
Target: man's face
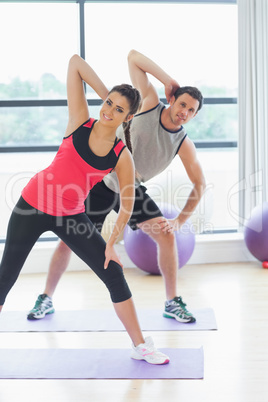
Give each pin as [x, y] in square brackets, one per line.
[183, 109]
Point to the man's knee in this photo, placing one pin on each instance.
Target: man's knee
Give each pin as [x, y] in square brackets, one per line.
[168, 239]
[153, 229]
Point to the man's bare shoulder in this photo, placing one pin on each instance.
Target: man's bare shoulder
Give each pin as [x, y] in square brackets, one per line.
[187, 149]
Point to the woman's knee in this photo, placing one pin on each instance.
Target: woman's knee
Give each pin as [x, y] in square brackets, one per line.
[116, 283]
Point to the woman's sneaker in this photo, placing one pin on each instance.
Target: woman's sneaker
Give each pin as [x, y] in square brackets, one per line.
[147, 351]
[43, 306]
[175, 308]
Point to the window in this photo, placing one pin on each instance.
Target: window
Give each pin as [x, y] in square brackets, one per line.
[36, 48]
[190, 41]
[194, 45]
[35, 51]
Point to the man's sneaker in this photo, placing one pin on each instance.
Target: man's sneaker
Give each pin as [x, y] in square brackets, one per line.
[43, 306]
[175, 308]
[147, 351]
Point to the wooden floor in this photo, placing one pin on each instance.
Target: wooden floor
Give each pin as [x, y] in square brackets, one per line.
[236, 355]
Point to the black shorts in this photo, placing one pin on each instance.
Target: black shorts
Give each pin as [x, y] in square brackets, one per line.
[101, 200]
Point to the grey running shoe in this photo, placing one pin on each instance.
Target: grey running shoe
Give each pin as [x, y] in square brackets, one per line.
[43, 306]
[175, 308]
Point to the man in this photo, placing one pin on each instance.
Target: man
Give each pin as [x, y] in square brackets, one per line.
[157, 136]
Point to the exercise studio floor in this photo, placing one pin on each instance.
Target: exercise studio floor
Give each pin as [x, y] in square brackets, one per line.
[235, 355]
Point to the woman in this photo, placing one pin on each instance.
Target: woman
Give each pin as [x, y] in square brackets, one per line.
[53, 200]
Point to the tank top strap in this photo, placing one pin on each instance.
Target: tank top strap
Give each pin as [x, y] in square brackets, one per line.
[89, 123]
[118, 147]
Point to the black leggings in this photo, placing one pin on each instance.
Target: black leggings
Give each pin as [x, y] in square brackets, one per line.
[26, 224]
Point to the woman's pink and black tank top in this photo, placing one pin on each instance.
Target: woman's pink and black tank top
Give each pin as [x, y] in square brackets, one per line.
[62, 187]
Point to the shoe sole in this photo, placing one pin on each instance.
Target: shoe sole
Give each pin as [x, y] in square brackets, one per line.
[31, 316]
[185, 321]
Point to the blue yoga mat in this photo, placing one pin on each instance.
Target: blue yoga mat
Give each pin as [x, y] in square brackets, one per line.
[98, 364]
[102, 320]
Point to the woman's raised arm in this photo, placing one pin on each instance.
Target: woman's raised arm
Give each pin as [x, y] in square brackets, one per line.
[79, 71]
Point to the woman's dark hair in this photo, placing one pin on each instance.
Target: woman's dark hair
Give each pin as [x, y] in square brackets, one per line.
[134, 100]
[193, 92]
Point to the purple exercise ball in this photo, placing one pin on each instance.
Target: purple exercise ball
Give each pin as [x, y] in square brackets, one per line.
[142, 250]
[256, 232]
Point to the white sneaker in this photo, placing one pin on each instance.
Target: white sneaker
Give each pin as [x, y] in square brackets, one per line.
[147, 351]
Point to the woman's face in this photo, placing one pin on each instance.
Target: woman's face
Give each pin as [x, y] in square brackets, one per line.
[114, 110]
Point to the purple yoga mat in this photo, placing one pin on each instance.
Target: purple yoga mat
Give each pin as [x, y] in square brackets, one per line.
[101, 320]
[97, 363]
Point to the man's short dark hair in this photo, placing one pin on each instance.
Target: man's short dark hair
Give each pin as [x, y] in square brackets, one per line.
[193, 92]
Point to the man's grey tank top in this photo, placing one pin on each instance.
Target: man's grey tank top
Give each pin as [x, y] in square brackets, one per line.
[153, 146]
